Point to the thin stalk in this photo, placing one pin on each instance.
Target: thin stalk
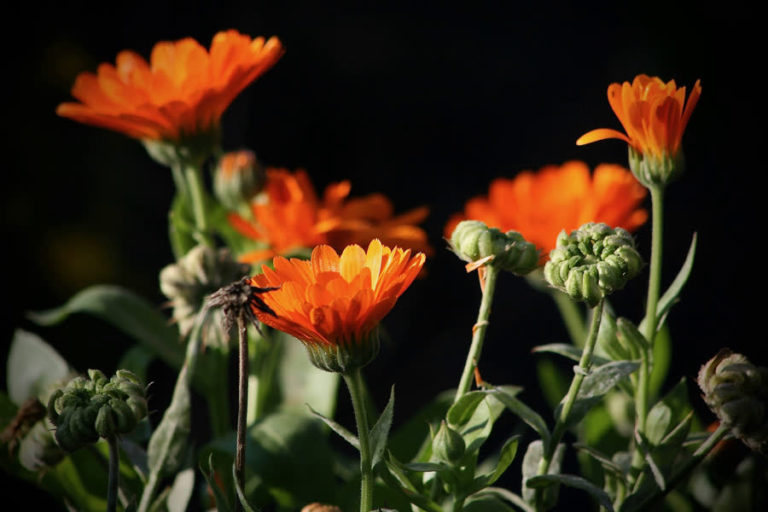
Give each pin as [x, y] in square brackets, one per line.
[242, 405]
[678, 476]
[262, 382]
[478, 332]
[570, 398]
[194, 179]
[114, 474]
[654, 287]
[571, 314]
[355, 384]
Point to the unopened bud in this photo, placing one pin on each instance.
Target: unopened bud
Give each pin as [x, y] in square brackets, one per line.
[737, 392]
[472, 240]
[345, 356]
[448, 445]
[237, 179]
[592, 262]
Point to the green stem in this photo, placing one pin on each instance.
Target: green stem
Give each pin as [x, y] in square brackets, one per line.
[678, 476]
[355, 384]
[262, 380]
[242, 406]
[571, 313]
[654, 287]
[570, 398]
[194, 179]
[478, 332]
[114, 474]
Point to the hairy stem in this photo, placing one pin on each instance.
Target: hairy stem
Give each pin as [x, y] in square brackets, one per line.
[355, 384]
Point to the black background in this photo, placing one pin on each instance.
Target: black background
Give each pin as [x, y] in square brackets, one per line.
[426, 103]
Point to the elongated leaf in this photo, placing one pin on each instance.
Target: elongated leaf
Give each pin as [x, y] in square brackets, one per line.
[525, 413]
[126, 311]
[607, 340]
[506, 456]
[576, 482]
[670, 296]
[338, 428]
[660, 360]
[476, 431]
[631, 338]
[222, 504]
[531, 460]
[461, 411]
[569, 351]
[301, 382]
[603, 459]
[380, 430]
[181, 490]
[33, 367]
[396, 480]
[422, 467]
[511, 497]
[487, 503]
[603, 378]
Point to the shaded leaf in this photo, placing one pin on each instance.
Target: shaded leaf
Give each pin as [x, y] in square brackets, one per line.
[568, 351]
[576, 482]
[525, 413]
[301, 382]
[222, 504]
[552, 381]
[240, 493]
[531, 462]
[338, 428]
[461, 411]
[181, 490]
[506, 456]
[33, 368]
[380, 431]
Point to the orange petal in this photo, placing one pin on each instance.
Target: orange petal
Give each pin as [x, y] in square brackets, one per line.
[601, 134]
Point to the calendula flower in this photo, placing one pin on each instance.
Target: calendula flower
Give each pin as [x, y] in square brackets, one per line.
[289, 217]
[333, 303]
[238, 177]
[654, 115]
[539, 205]
[180, 93]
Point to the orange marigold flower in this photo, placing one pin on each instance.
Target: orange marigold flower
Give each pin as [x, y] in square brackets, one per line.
[541, 204]
[181, 92]
[654, 115]
[333, 303]
[289, 216]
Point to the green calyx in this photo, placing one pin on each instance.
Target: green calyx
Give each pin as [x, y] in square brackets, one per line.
[344, 357]
[448, 445]
[472, 240]
[189, 149]
[737, 392]
[86, 409]
[592, 262]
[653, 170]
[188, 282]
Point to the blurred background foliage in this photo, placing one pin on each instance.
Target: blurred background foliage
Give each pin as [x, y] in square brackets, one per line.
[424, 102]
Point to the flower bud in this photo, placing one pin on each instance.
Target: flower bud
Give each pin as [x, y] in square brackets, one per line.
[320, 507]
[345, 356]
[652, 170]
[448, 445]
[187, 283]
[472, 240]
[189, 149]
[737, 392]
[592, 262]
[86, 409]
[238, 178]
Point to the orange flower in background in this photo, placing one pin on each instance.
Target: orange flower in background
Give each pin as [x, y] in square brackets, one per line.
[334, 303]
[541, 204]
[654, 115]
[289, 216]
[182, 91]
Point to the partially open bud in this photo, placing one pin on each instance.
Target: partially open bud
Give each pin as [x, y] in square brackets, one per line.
[592, 262]
[472, 240]
[238, 178]
[448, 445]
[737, 392]
[202, 271]
[652, 170]
[86, 409]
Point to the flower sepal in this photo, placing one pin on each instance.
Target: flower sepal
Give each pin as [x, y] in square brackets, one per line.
[192, 149]
[344, 358]
[651, 170]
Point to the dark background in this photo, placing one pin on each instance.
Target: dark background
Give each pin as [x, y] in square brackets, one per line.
[426, 104]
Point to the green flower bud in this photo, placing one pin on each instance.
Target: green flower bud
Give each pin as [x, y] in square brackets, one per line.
[652, 171]
[592, 262]
[86, 409]
[190, 149]
[345, 356]
[188, 282]
[472, 240]
[237, 179]
[448, 445]
[737, 392]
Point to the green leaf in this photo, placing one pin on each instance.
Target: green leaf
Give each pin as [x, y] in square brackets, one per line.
[670, 296]
[180, 227]
[531, 462]
[631, 338]
[222, 504]
[525, 413]
[395, 479]
[181, 490]
[423, 467]
[126, 311]
[668, 411]
[478, 428]
[506, 456]
[511, 497]
[660, 360]
[461, 411]
[607, 464]
[240, 493]
[603, 378]
[569, 351]
[301, 382]
[380, 431]
[552, 381]
[607, 340]
[33, 368]
[576, 482]
[336, 427]
[486, 503]
[137, 360]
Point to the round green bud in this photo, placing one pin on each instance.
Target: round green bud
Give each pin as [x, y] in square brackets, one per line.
[592, 262]
[737, 392]
[653, 171]
[448, 445]
[472, 240]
